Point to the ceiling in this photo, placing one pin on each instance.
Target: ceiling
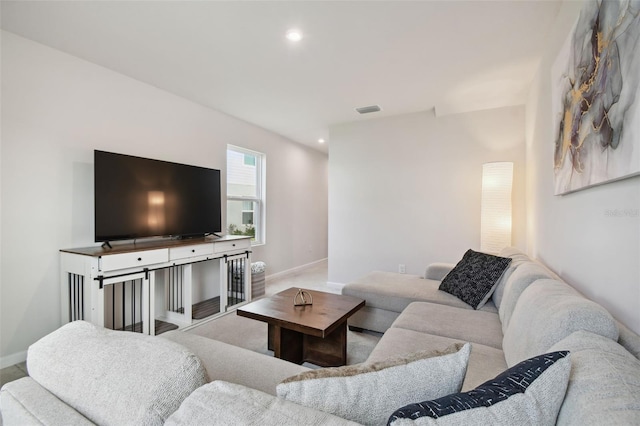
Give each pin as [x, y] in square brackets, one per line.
[454, 56]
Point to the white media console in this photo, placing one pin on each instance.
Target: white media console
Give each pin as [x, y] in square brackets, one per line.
[148, 287]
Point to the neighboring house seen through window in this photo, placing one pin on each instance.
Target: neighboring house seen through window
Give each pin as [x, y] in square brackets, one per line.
[245, 193]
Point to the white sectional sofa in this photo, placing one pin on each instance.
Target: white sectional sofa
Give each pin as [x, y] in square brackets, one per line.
[531, 312]
[81, 374]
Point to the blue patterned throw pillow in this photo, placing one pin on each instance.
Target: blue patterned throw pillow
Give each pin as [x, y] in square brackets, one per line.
[528, 393]
[475, 277]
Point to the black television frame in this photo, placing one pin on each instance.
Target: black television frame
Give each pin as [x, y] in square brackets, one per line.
[182, 200]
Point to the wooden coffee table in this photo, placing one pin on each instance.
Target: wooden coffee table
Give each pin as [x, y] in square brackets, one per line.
[314, 333]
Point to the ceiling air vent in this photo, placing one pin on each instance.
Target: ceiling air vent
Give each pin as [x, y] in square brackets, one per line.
[368, 109]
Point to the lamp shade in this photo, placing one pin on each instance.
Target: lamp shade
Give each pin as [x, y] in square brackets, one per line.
[495, 210]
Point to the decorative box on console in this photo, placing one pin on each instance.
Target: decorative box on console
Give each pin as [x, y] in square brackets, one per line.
[258, 270]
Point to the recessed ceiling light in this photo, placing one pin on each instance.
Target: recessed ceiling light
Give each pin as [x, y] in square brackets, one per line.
[294, 35]
[320, 140]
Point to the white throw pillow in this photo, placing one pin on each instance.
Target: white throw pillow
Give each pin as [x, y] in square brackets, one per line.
[369, 393]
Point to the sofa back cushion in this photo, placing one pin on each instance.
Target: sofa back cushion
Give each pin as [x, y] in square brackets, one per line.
[521, 278]
[547, 312]
[115, 377]
[517, 258]
[604, 385]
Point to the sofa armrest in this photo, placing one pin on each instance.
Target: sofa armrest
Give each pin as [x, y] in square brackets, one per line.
[437, 271]
[25, 402]
[115, 377]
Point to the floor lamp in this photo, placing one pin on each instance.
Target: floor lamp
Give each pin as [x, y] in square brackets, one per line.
[495, 211]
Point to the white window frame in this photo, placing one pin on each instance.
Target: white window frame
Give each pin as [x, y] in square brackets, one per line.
[259, 219]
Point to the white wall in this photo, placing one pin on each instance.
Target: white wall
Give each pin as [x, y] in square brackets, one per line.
[56, 109]
[597, 253]
[406, 189]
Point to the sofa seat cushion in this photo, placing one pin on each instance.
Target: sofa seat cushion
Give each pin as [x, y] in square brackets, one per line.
[225, 403]
[367, 393]
[25, 402]
[374, 319]
[547, 312]
[236, 365]
[484, 362]
[456, 323]
[394, 292]
[604, 385]
[115, 377]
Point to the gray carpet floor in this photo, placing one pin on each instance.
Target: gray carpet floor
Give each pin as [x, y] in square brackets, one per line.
[251, 334]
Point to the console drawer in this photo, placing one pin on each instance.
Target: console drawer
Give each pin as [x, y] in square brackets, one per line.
[222, 246]
[114, 262]
[190, 251]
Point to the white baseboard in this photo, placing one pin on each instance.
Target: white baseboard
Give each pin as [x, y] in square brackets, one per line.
[13, 359]
[293, 270]
[335, 286]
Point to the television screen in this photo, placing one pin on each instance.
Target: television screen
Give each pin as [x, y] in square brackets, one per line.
[140, 197]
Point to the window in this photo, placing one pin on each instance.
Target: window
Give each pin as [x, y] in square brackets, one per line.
[247, 212]
[245, 193]
[249, 160]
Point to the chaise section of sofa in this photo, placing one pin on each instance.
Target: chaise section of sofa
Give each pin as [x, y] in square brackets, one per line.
[388, 294]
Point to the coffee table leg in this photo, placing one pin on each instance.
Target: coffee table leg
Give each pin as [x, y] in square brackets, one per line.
[286, 344]
[328, 352]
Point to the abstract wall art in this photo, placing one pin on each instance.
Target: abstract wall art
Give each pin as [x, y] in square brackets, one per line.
[596, 97]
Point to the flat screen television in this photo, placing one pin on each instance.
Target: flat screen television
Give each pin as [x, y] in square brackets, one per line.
[139, 197]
